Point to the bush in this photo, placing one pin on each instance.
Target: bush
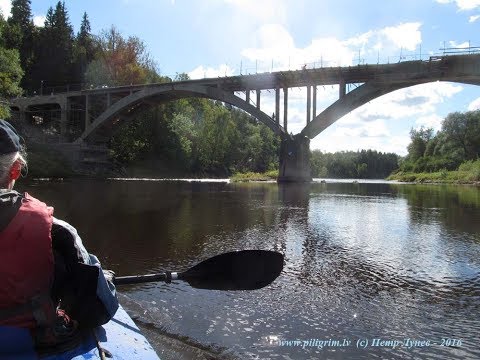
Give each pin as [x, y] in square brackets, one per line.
[253, 176]
[443, 174]
[470, 165]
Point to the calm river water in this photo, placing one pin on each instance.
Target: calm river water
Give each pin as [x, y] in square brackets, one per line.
[372, 270]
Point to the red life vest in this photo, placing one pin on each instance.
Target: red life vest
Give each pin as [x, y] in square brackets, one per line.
[27, 267]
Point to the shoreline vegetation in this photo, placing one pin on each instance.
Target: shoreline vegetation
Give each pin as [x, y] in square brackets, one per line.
[43, 164]
[467, 173]
[254, 176]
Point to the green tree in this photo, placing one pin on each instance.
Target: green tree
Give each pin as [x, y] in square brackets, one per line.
[458, 141]
[462, 130]
[10, 73]
[348, 164]
[84, 50]
[362, 170]
[186, 136]
[215, 139]
[419, 139]
[54, 51]
[20, 34]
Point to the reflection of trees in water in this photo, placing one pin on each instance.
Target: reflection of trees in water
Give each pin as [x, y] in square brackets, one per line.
[458, 207]
[136, 226]
[295, 200]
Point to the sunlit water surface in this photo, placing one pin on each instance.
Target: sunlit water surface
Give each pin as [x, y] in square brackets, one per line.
[369, 266]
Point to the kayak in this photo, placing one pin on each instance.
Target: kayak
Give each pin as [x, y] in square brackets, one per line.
[119, 339]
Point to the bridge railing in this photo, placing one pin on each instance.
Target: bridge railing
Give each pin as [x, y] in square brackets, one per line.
[274, 66]
[361, 59]
[45, 89]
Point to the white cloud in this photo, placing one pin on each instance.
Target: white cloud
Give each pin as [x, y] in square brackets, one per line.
[5, 7]
[39, 20]
[368, 127]
[473, 18]
[433, 121]
[406, 36]
[264, 10]
[373, 129]
[463, 45]
[201, 72]
[462, 4]
[419, 100]
[474, 105]
[275, 44]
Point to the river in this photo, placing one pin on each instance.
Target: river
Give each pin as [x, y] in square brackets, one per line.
[372, 269]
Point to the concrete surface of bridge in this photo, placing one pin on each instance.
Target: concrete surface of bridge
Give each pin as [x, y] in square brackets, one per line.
[88, 118]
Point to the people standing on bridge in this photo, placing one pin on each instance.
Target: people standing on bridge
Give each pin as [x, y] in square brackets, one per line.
[50, 284]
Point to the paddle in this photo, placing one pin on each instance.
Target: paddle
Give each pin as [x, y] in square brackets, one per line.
[238, 270]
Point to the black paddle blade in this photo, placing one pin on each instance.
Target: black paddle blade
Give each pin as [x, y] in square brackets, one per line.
[238, 270]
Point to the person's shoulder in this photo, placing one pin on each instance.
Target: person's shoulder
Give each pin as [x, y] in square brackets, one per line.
[8, 193]
[65, 233]
[63, 224]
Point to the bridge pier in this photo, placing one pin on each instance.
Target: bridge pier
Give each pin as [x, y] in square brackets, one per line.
[295, 160]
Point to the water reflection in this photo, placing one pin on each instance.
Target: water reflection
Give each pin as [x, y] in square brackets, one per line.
[458, 206]
[363, 261]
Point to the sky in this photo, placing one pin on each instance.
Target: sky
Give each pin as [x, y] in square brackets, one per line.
[210, 38]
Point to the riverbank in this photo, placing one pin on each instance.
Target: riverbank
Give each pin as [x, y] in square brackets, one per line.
[271, 175]
[467, 173]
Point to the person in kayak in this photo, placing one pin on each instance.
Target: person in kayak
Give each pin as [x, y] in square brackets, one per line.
[50, 284]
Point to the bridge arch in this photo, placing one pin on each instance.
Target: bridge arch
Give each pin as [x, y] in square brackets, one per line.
[362, 95]
[168, 92]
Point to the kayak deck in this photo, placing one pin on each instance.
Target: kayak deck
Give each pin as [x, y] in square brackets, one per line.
[119, 339]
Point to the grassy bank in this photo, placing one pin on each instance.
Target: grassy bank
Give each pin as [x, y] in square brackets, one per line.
[253, 176]
[467, 173]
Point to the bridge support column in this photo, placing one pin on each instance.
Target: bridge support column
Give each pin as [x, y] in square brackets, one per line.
[87, 110]
[285, 108]
[309, 102]
[64, 106]
[295, 160]
[22, 114]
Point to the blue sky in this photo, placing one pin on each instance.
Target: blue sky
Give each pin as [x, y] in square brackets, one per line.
[225, 37]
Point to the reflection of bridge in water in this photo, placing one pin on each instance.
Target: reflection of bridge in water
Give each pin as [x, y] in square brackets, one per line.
[87, 118]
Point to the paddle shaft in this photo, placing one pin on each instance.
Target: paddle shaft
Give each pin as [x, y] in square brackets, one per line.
[136, 279]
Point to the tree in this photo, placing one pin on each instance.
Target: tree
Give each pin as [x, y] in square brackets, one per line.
[120, 61]
[54, 50]
[84, 50]
[217, 131]
[20, 35]
[419, 139]
[348, 164]
[458, 141]
[186, 136]
[462, 130]
[10, 73]
[362, 170]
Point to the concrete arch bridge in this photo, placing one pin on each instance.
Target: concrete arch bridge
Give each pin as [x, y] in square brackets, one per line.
[87, 118]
